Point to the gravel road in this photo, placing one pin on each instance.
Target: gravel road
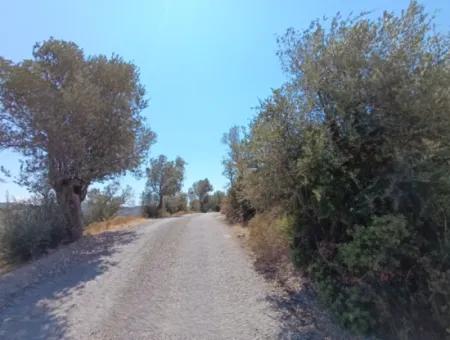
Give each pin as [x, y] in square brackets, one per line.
[175, 278]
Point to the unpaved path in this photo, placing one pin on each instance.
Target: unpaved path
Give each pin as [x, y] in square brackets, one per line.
[174, 278]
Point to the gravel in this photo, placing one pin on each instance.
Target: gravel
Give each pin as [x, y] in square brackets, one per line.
[174, 278]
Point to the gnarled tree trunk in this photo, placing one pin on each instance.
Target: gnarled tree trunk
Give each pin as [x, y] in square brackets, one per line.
[70, 193]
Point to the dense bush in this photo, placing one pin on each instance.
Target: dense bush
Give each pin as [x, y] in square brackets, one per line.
[176, 203]
[150, 206]
[213, 202]
[28, 229]
[235, 207]
[172, 204]
[355, 150]
[199, 196]
[151, 211]
[270, 234]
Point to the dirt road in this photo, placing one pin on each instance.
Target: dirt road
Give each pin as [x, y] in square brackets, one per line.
[174, 278]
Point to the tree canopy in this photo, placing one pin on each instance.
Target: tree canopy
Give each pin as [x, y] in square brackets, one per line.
[77, 120]
[199, 193]
[164, 178]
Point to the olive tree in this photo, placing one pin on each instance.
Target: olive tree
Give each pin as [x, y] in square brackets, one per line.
[199, 192]
[76, 119]
[164, 178]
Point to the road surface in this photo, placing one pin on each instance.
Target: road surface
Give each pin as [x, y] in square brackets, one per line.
[174, 278]
[181, 277]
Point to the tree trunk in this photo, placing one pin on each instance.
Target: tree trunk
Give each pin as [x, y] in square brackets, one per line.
[70, 193]
[161, 203]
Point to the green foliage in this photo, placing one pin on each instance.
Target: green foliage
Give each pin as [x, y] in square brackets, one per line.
[235, 207]
[104, 204]
[355, 147]
[201, 200]
[199, 195]
[150, 205]
[164, 182]
[213, 202]
[76, 119]
[376, 247]
[176, 203]
[28, 229]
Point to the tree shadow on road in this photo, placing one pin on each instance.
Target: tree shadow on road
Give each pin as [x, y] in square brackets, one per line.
[26, 294]
[300, 316]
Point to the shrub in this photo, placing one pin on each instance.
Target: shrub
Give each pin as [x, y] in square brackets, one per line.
[194, 205]
[30, 228]
[151, 211]
[235, 207]
[355, 147]
[104, 204]
[213, 202]
[269, 239]
[173, 204]
[176, 203]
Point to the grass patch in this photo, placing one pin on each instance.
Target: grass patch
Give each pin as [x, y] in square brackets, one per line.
[115, 223]
[269, 239]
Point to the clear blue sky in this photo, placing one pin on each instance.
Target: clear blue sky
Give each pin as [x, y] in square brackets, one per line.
[205, 64]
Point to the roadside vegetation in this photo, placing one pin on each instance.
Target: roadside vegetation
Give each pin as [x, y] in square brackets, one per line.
[202, 200]
[102, 205]
[113, 223]
[76, 120]
[163, 196]
[345, 169]
[162, 193]
[30, 228]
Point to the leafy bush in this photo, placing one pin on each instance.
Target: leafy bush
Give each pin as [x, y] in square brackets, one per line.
[213, 202]
[176, 203]
[171, 205]
[29, 229]
[199, 195]
[194, 205]
[236, 208]
[151, 211]
[378, 247]
[104, 204]
[355, 148]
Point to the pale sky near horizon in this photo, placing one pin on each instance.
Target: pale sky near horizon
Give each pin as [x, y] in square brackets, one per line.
[205, 64]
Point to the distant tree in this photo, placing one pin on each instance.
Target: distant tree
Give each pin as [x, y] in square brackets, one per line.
[214, 201]
[199, 192]
[164, 178]
[76, 119]
[234, 161]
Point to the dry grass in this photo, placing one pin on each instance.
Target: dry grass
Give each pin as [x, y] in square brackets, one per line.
[115, 223]
[181, 213]
[5, 267]
[268, 239]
